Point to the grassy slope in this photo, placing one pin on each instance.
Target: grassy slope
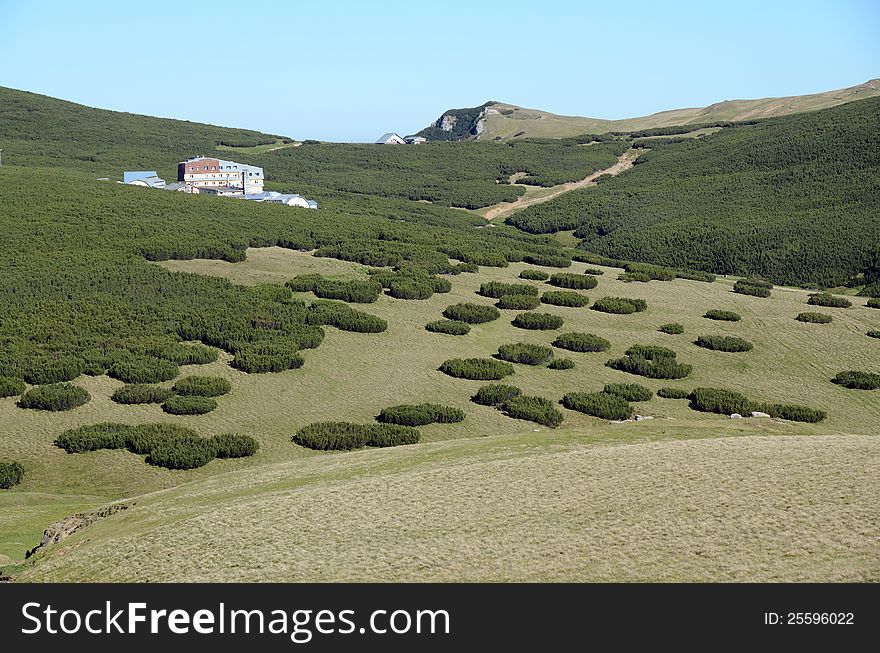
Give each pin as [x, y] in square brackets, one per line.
[541, 124]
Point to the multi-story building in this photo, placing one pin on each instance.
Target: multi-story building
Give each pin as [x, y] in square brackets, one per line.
[209, 173]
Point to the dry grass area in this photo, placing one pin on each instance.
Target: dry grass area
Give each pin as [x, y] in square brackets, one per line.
[555, 509]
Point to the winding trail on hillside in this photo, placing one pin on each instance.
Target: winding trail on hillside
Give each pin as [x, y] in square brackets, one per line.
[504, 209]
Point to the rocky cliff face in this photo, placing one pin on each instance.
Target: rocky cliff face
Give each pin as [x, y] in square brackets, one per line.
[458, 124]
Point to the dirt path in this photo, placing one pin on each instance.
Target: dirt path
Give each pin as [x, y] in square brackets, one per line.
[503, 209]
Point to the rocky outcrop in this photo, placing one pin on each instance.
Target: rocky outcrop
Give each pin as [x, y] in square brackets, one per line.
[66, 527]
[447, 122]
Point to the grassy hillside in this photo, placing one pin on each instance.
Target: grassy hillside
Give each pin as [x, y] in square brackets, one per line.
[506, 121]
[793, 199]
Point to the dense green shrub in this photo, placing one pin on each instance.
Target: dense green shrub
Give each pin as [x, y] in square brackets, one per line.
[565, 298]
[673, 393]
[561, 364]
[724, 343]
[548, 260]
[11, 473]
[652, 362]
[304, 282]
[534, 275]
[411, 288]
[629, 391]
[440, 285]
[390, 435]
[718, 400]
[202, 386]
[183, 354]
[471, 313]
[360, 291]
[451, 327]
[537, 321]
[234, 445]
[54, 369]
[327, 436]
[582, 342]
[518, 302]
[420, 414]
[573, 281]
[727, 316]
[535, 409]
[874, 302]
[183, 452]
[754, 287]
[629, 277]
[263, 357]
[496, 289]
[874, 334]
[651, 352]
[472, 268]
[144, 438]
[140, 393]
[652, 272]
[523, 352]
[594, 271]
[827, 299]
[673, 328]
[598, 404]
[344, 317]
[54, 397]
[495, 394]
[815, 318]
[620, 305]
[479, 369]
[794, 412]
[10, 386]
[194, 405]
[105, 435]
[133, 368]
[856, 380]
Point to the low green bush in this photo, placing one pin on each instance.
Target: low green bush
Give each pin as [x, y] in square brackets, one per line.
[358, 291]
[11, 473]
[814, 318]
[440, 285]
[724, 343]
[874, 302]
[10, 386]
[420, 414]
[855, 380]
[629, 277]
[405, 287]
[189, 405]
[479, 369]
[263, 357]
[202, 386]
[537, 321]
[564, 298]
[534, 409]
[598, 404]
[526, 353]
[619, 305]
[726, 316]
[391, 435]
[827, 299]
[471, 313]
[450, 327]
[594, 271]
[673, 328]
[496, 289]
[106, 435]
[652, 362]
[134, 368]
[652, 272]
[534, 275]
[234, 445]
[54, 397]
[719, 400]
[342, 436]
[182, 453]
[344, 317]
[140, 393]
[561, 364]
[47, 370]
[495, 394]
[673, 393]
[629, 391]
[548, 260]
[754, 287]
[794, 412]
[184, 354]
[874, 334]
[581, 342]
[573, 281]
[519, 302]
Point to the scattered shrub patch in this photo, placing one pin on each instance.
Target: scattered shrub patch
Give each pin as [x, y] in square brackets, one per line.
[874, 302]
[183, 354]
[629, 391]
[412, 288]
[182, 452]
[451, 327]
[391, 435]
[827, 299]
[724, 343]
[793, 412]
[619, 305]
[106, 435]
[496, 289]
[54, 397]
[652, 362]
[754, 287]
[673, 393]
[598, 404]
[815, 318]
[263, 357]
[727, 316]
[874, 334]
[594, 271]
[673, 328]
[420, 414]
[526, 353]
[650, 272]
[548, 260]
[47, 370]
[479, 369]
[202, 386]
[519, 302]
[537, 321]
[535, 409]
[359, 291]
[629, 277]
[11, 473]
[855, 380]
[340, 436]
[10, 387]
[344, 317]
[561, 364]
[133, 368]
[565, 298]
[718, 400]
[581, 342]
[573, 281]
[234, 445]
[534, 275]
[141, 393]
[189, 405]
[441, 285]
[471, 313]
[495, 394]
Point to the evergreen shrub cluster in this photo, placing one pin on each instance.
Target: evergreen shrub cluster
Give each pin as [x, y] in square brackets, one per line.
[11, 473]
[537, 321]
[725, 316]
[495, 394]
[450, 327]
[573, 281]
[619, 305]
[420, 414]
[496, 289]
[141, 393]
[673, 328]
[534, 275]
[523, 352]
[598, 404]
[652, 362]
[564, 298]
[856, 380]
[814, 318]
[754, 287]
[471, 313]
[673, 393]
[629, 391]
[561, 364]
[581, 342]
[343, 436]
[827, 299]
[478, 369]
[534, 409]
[724, 343]
[54, 397]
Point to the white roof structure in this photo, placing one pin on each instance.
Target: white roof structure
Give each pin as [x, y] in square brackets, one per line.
[391, 139]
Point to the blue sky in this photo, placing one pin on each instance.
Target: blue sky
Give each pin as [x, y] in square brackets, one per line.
[351, 70]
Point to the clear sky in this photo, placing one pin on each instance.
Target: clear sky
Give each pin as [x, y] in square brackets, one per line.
[340, 70]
